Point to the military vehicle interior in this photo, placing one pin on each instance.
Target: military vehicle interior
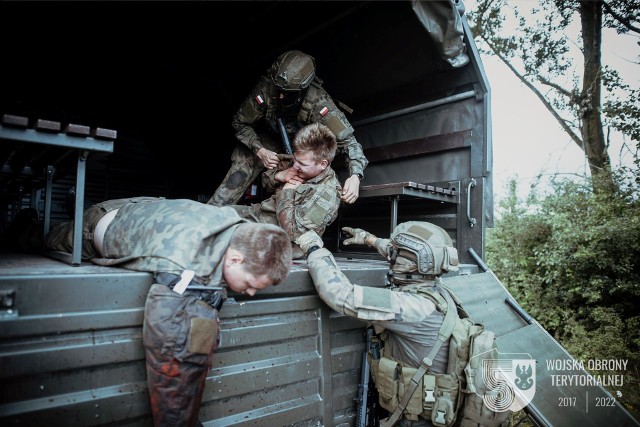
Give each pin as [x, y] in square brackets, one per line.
[168, 77]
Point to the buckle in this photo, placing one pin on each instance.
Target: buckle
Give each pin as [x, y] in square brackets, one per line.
[429, 397]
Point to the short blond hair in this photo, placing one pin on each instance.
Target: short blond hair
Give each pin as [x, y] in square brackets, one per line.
[318, 139]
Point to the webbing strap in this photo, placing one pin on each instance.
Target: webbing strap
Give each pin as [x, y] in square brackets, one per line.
[443, 335]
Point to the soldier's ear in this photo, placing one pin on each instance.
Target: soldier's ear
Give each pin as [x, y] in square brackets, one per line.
[233, 256]
[324, 163]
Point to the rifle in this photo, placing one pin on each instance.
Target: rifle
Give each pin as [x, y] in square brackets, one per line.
[365, 407]
[285, 137]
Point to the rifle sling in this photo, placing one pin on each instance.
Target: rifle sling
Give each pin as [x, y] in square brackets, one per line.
[445, 332]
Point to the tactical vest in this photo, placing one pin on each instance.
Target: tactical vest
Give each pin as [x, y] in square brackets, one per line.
[310, 111]
[454, 398]
[296, 117]
[310, 100]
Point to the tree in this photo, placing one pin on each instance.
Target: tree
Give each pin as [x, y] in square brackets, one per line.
[539, 53]
[571, 258]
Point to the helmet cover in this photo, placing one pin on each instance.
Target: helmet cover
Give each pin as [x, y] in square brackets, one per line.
[293, 71]
[423, 247]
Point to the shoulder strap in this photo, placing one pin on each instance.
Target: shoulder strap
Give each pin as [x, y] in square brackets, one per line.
[446, 329]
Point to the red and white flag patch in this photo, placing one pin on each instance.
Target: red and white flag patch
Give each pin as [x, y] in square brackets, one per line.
[259, 99]
[324, 111]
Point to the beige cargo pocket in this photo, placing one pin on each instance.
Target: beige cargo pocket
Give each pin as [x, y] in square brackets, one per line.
[203, 335]
[201, 332]
[387, 383]
[414, 407]
[444, 413]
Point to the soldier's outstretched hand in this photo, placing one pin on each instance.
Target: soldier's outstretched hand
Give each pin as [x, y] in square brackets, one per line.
[358, 236]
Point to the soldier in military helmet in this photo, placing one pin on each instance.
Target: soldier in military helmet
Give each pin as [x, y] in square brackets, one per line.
[289, 91]
[418, 253]
[306, 190]
[196, 252]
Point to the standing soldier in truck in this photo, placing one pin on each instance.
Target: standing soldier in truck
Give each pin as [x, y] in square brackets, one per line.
[292, 93]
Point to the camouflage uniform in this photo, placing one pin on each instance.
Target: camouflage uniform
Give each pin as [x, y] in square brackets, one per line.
[180, 332]
[312, 205]
[408, 323]
[411, 320]
[255, 127]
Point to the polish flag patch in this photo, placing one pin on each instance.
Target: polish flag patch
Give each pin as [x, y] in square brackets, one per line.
[324, 111]
[259, 100]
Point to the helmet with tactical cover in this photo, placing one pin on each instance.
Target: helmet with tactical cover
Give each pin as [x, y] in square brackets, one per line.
[293, 71]
[423, 248]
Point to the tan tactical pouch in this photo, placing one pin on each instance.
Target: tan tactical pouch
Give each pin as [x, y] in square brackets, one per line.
[387, 383]
[414, 406]
[475, 412]
[447, 396]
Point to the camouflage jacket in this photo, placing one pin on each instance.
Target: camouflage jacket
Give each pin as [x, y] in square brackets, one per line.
[313, 205]
[160, 235]
[259, 111]
[411, 321]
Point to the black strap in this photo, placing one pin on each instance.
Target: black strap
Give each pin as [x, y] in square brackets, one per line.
[170, 279]
[212, 295]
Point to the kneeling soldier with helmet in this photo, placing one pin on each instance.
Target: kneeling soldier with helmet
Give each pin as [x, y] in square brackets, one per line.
[416, 319]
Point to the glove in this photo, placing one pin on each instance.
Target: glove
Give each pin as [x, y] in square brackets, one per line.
[309, 240]
[359, 236]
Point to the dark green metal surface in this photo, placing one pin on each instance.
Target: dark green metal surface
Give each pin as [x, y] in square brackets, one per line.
[71, 350]
[554, 404]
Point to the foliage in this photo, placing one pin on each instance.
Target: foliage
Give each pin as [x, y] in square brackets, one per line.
[572, 260]
[533, 40]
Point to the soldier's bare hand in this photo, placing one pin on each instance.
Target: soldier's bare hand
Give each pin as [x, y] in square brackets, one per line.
[358, 236]
[292, 177]
[351, 190]
[289, 176]
[269, 158]
[292, 185]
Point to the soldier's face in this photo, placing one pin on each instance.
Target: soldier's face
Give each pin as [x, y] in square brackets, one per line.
[306, 166]
[290, 98]
[242, 282]
[237, 278]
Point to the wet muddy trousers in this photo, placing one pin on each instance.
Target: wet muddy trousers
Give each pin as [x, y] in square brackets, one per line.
[180, 334]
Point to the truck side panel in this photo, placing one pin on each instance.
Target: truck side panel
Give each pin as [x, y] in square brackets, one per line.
[285, 357]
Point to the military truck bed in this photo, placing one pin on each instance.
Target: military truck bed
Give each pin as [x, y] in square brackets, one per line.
[71, 350]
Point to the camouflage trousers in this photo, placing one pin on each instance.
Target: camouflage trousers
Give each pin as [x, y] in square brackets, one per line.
[245, 168]
[60, 238]
[180, 334]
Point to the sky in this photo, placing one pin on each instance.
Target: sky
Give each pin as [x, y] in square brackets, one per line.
[527, 140]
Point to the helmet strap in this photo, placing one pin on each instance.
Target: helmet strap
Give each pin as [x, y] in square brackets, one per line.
[393, 255]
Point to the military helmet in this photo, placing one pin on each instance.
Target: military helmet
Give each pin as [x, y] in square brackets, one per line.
[293, 71]
[424, 248]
